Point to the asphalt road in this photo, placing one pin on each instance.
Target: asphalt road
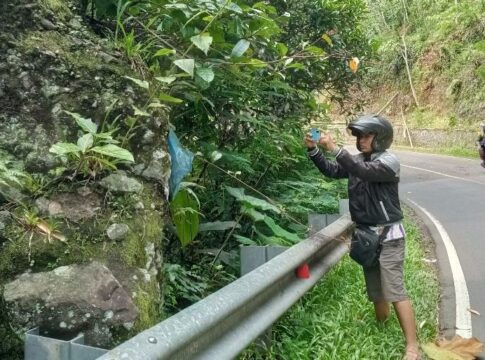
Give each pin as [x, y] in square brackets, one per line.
[451, 192]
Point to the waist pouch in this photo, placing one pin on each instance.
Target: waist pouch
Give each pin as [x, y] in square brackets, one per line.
[366, 245]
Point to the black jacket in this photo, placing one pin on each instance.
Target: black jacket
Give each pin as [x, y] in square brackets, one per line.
[373, 184]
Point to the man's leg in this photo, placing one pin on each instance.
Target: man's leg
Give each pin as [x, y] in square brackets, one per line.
[392, 278]
[382, 311]
[405, 314]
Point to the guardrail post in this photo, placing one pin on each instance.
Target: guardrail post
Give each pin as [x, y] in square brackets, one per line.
[251, 258]
[80, 351]
[343, 206]
[317, 222]
[38, 347]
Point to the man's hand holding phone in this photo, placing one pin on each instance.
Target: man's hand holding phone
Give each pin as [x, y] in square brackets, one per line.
[315, 137]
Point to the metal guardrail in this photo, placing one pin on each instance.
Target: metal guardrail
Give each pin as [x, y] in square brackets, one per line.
[226, 322]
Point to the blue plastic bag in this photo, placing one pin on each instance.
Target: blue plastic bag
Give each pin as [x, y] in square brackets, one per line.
[181, 162]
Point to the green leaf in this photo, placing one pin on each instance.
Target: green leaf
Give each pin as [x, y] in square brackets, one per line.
[240, 48]
[315, 50]
[186, 222]
[85, 124]
[282, 49]
[170, 99]
[238, 193]
[280, 232]
[245, 240]
[64, 148]
[139, 112]
[219, 226]
[114, 151]
[234, 7]
[257, 63]
[164, 52]
[166, 79]
[270, 240]
[141, 83]
[85, 142]
[296, 65]
[156, 104]
[205, 74]
[251, 201]
[186, 65]
[106, 136]
[202, 41]
[252, 213]
[216, 155]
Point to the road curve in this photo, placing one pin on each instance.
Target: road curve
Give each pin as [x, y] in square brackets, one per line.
[449, 194]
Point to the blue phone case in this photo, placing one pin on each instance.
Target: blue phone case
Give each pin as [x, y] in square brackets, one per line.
[315, 134]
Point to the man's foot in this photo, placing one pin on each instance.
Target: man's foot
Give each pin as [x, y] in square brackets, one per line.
[412, 353]
[483, 164]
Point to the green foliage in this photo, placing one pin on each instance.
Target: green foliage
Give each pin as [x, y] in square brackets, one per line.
[180, 284]
[181, 287]
[250, 207]
[251, 201]
[240, 79]
[444, 45]
[10, 177]
[94, 152]
[101, 8]
[185, 215]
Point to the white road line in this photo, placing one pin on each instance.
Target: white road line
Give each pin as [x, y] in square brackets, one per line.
[463, 316]
[443, 174]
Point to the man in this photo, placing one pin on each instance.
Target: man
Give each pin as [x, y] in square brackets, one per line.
[374, 202]
[481, 145]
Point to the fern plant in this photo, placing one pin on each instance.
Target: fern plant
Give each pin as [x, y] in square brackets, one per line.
[10, 177]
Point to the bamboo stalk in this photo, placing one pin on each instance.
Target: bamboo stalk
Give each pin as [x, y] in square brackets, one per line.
[405, 56]
[387, 104]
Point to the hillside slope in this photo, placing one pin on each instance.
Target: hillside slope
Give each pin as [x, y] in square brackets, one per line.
[445, 48]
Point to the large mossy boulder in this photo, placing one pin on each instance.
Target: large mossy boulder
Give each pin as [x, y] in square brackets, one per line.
[52, 64]
[71, 299]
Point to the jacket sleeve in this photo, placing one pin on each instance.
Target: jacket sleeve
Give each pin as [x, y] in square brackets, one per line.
[383, 169]
[328, 168]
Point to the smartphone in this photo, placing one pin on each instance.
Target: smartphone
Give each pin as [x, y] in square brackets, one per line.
[315, 134]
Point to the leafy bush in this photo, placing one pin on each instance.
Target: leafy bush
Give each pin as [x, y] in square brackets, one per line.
[94, 151]
[240, 79]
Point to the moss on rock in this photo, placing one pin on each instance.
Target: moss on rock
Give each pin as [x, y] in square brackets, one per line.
[59, 7]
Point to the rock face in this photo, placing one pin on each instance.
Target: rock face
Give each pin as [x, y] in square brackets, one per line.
[119, 182]
[51, 62]
[73, 206]
[71, 299]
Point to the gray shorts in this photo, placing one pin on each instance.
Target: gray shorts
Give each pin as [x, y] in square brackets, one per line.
[385, 281]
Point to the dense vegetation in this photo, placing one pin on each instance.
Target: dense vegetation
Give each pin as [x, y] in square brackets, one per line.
[241, 79]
